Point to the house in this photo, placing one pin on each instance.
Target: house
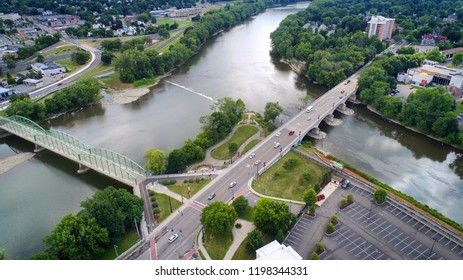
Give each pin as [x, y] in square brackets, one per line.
[48, 68]
[277, 251]
[424, 48]
[11, 16]
[432, 39]
[184, 12]
[449, 53]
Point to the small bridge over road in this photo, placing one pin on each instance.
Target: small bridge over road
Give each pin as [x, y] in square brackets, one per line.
[104, 161]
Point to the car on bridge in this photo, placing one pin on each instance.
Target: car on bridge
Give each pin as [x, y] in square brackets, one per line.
[276, 145]
[278, 134]
[257, 162]
[291, 132]
[173, 238]
[251, 156]
[309, 109]
[232, 184]
[346, 82]
[342, 91]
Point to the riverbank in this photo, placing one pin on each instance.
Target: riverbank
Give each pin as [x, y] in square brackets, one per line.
[10, 162]
[371, 109]
[129, 95]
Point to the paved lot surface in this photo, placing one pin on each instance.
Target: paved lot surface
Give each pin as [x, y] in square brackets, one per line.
[367, 231]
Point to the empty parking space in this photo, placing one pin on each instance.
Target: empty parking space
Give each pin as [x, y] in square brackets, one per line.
[297, 233]
[355, 245]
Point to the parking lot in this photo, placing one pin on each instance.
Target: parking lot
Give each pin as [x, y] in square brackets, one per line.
[367, 231]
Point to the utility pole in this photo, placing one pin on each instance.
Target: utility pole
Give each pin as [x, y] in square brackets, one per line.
[170, 204]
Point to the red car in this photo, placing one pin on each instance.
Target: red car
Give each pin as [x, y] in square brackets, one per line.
[320, 197]
[60, 84]
[291, 132]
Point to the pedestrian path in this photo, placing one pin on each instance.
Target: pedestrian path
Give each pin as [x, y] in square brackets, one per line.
[239, 234]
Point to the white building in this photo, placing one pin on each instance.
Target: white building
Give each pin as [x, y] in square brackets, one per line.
[48, 68]
[381, 27]
[433, 74]
[277, 251]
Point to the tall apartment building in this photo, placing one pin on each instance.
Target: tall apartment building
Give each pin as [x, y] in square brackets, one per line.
[381, 27]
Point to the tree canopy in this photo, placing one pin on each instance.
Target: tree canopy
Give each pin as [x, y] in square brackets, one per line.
[77, 237]
[218, 218]
[270, 216]
[156, 161]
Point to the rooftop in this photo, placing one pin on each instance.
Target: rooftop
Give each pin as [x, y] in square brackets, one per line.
[379, 19]
[277, 251]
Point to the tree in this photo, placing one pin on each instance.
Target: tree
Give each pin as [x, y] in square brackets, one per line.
[145, 17]
[77, 237]
[457, 58]
[380, 195]
[9, 60]
[329, 228]
[319, 247]
[40, 58]
[334, 220]
[156, 161]
[107, 57]
[350, 198]
[240, 204]
[218, 218]
[164, 33]
[254, 240]
[270, 216]
[2, 254]
[272, 111]
[80, 57]
[114, 209]
[44, 256]
[280, 237]
[310, 197]
[232, 149]
[176, 161]
[445, 125]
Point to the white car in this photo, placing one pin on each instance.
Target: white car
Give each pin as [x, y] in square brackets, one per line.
[276, 145]
[278, 134]
[173, 238]
[251, 156]
[257, 162]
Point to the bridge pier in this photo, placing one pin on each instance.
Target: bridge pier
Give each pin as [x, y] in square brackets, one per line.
[332, 121]
[82, 169]
[344, 110]
[38, 148]
[316, 133]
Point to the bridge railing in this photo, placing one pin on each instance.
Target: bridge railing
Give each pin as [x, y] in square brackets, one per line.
[105, 160]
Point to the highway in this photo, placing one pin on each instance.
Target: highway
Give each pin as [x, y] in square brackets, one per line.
[186, 222]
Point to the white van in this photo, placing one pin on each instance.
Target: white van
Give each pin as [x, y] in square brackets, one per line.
[309, 109]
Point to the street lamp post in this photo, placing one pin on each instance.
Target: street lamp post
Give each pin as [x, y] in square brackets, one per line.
[369, 212]
[432, 247]
[257, 170]
[115, 249]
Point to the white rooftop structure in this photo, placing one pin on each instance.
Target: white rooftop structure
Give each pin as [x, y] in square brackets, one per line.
[277, 251]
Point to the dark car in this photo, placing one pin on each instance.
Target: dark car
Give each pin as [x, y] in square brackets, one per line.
[320, 197]
[291, 132]
[60, 84]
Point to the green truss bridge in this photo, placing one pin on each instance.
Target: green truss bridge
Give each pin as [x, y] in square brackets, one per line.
[104, 161]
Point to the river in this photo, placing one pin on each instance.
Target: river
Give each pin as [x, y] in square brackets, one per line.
[36, 194]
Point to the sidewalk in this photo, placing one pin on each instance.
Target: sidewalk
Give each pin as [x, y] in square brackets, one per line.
[238, 236]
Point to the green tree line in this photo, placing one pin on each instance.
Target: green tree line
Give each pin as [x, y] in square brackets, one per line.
[82, 93]
[136, 64]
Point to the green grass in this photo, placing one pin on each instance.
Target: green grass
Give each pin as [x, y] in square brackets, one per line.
[70, 65]
[194, 187]
[161, 21]
[241, 135]
[289, 184]
[250, 145]
[218, 245]
[100, 68]
[128, 240]
[60, 50]
[242, 253]
[144, 82]
[164, 206]
[247, 215]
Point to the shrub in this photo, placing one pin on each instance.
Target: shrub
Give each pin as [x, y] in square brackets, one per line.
[277, 174]
[319, 247]
[255, 240]
[156, 211]
[380, 195]
[350, 198]
[151, 193]
[334, 220]
[317, 188]
[155, 204]
[185, 181]
[290, 163]
[238, 225]
[191, 181]
[329, 228]
[197, 180]
[343, 203]
[314, 256]
[280, 237]
[153, 198]
[307, 176]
